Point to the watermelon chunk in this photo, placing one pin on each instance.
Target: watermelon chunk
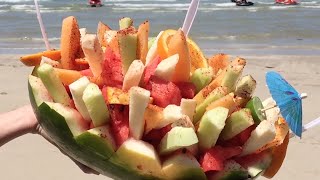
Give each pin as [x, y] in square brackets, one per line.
[188, 89]
[239, 139]
[155, 135]
[163, 92]
[119, 122]
[213, 159]
[150, 69]
[112, 69]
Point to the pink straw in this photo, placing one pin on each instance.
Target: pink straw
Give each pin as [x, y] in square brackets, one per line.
[191, 14]
[43, 30]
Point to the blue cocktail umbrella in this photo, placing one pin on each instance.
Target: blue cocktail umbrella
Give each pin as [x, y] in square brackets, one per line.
[288, 100]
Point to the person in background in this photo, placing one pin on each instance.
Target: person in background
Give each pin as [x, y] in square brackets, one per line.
[23, 121]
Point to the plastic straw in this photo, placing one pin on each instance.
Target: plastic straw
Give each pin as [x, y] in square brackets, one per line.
[309, 125]
[191, 14]
[43, 30]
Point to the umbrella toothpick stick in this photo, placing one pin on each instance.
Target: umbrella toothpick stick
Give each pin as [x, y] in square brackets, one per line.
[309, 125]
[42, 28]
[302, 96]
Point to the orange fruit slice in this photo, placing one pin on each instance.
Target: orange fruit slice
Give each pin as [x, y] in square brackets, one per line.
[197, 58]
[163, 42]
[278, 155]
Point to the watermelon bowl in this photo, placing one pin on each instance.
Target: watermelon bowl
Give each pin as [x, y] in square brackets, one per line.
[134, 107]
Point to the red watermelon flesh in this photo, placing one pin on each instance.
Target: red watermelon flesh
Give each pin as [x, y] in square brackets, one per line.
[112, 69]
[150, 69]
[188, 89]
[155, 135]
[213, 159]
[251, 159]
[119, 122]
[239, 139]
[104, 94]
[163, 92]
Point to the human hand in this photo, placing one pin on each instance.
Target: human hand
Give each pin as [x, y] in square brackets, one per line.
[23, 120]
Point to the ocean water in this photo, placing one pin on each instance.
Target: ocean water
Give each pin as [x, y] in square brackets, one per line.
[220, 26]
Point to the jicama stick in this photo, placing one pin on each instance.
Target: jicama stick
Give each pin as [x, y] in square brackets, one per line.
[142, 47]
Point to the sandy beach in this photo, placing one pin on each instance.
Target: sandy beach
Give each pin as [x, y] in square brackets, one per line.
[31, 157]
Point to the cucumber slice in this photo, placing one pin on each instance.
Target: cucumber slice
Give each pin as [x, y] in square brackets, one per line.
[255, 106]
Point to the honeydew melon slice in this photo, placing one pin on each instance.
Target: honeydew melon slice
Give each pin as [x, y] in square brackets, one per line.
[125, 22]
[202, 77]
[99, 140]
[96, 106]
[140, 156]
[53, 84]
[72, 117]
[178, 137]
[236, 123]
[183, 167]
[210, 127]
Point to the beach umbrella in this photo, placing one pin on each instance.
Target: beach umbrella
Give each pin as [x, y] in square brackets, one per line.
[288, 100]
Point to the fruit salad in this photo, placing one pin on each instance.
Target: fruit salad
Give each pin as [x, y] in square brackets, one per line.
[134, 107]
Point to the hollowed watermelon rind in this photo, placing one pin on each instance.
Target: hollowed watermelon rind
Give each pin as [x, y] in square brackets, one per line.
[56, 127]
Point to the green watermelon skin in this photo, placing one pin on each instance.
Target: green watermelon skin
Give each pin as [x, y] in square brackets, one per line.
[56, 127]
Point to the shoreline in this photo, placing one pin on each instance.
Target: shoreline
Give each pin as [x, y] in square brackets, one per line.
[34, 158]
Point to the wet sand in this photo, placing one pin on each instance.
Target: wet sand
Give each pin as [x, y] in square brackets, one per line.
[31, 157]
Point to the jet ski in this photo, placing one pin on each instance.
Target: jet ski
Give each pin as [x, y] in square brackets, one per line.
[286, 2]
[244, 3]
[95, 3]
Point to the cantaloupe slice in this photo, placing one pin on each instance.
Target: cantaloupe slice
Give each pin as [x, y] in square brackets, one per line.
[102, 28]
[278, 155]
[68, 76]
[70, 42]
[219, 62]
[35, 59]
[153, 115]
[228, 101]
[142, 45]
[178, 45]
